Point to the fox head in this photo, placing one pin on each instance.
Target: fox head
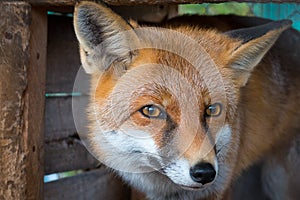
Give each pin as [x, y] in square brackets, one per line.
[164, 108]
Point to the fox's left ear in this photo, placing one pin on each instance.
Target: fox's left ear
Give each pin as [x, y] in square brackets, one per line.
[104, 37]
[255, 43]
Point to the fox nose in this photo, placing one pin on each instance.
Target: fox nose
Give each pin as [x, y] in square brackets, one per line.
[203, 173]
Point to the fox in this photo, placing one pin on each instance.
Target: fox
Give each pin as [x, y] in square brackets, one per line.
[180, 110]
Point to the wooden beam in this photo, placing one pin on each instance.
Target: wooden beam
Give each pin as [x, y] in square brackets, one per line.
[52, 2]
[23, 39]
[61, 3]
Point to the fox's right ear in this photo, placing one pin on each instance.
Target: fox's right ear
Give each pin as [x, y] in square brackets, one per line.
[104, 37]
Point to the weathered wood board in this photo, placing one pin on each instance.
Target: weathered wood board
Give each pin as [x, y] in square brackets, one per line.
[23, 39]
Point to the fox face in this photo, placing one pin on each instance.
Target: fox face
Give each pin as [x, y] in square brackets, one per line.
[164, 108]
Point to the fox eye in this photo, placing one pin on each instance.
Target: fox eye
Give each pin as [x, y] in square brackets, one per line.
[152, 111]
[213, 110]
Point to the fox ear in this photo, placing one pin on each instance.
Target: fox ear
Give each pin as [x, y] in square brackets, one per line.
[255, 42]
[104, 37]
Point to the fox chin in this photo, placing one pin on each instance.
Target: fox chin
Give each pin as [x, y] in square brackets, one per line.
[180, 110]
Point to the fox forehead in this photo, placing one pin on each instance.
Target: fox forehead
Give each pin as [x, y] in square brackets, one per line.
[213, 43]
[218, 46]
[156, 80]
[161, 78]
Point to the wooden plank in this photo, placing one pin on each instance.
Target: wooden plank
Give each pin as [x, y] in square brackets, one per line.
[59, 121]
[66, 155]
[23, 39]
[92, 185]
[35, 103]
[135, 2]
[146, 13]
[58, 3]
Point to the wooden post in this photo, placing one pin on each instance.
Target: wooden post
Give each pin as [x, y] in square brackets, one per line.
[23, 39]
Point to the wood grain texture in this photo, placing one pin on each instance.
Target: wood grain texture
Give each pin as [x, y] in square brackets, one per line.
[35, 103]
[92, 185]
[52, 2]
[23, 39]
